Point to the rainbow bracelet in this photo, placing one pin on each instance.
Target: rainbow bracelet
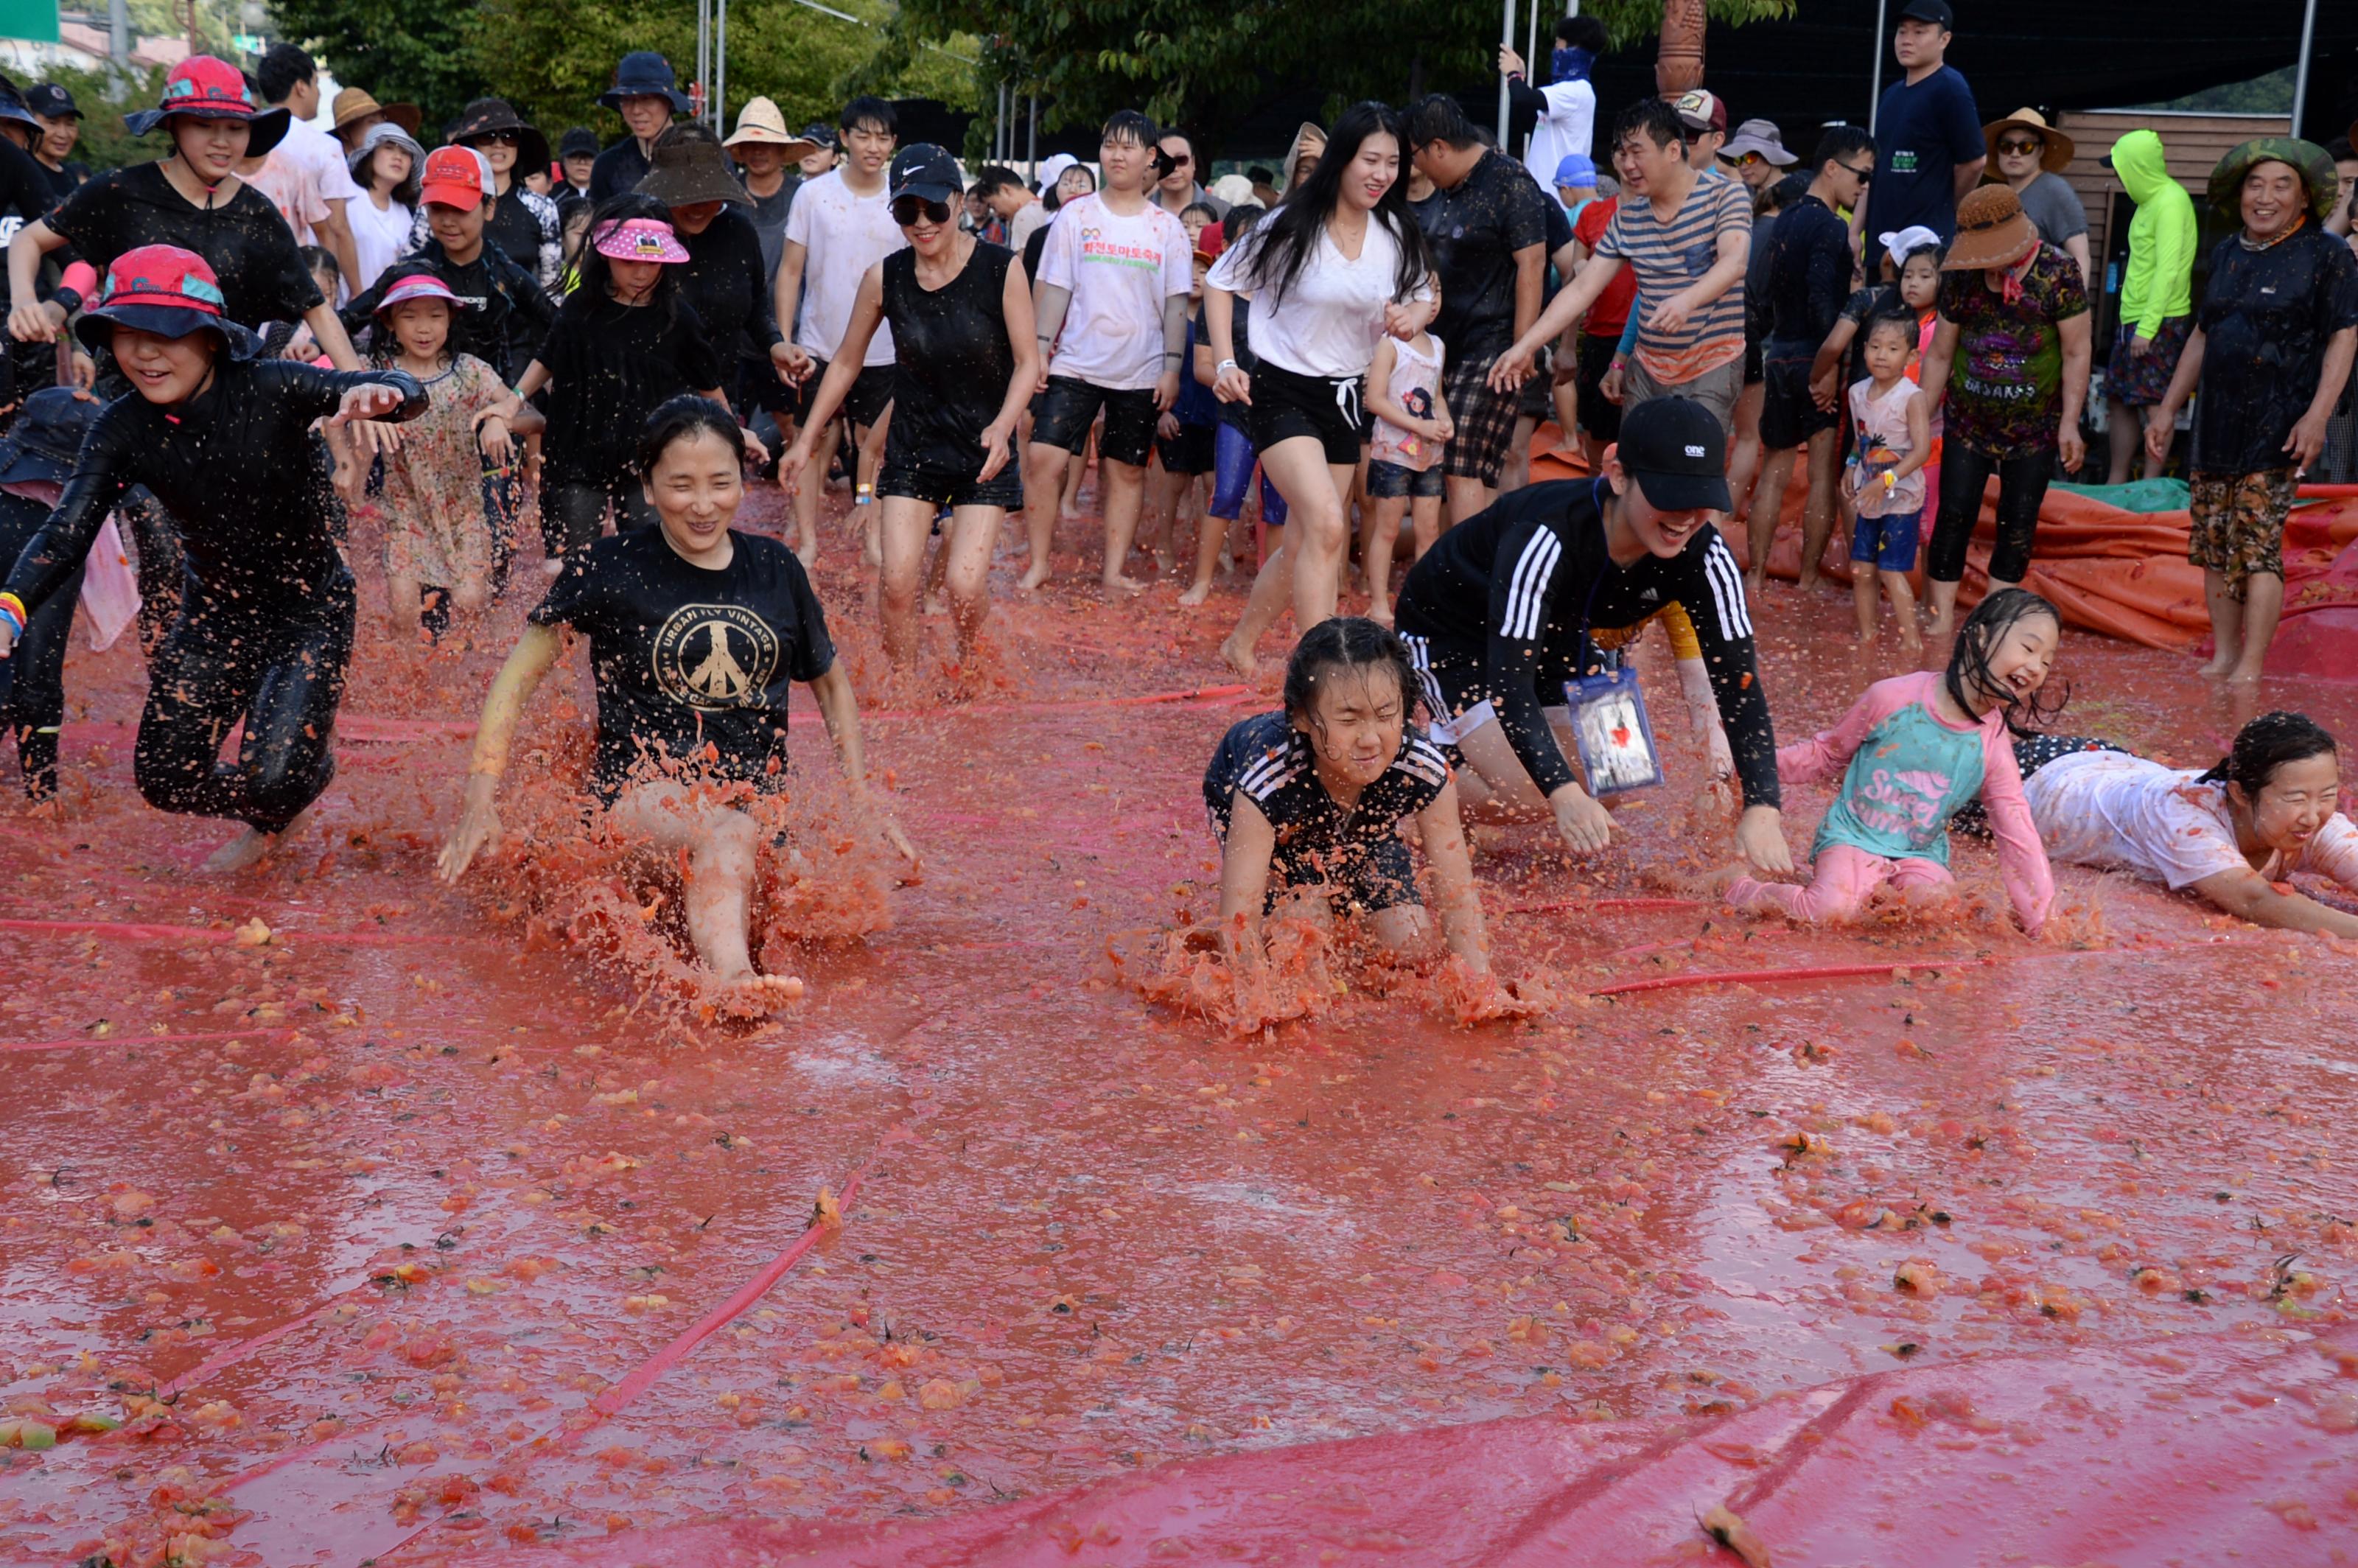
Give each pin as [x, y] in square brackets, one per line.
[14, 609]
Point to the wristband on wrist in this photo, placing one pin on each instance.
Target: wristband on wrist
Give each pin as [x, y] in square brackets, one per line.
[12, 609]
[1224, 365]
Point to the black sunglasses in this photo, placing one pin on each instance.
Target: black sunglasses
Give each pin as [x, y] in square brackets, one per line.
[905, 210]
[1864, 175]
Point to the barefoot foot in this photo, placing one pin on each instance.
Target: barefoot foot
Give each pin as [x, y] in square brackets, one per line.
[1122, 584]
[1239, 657]
[1039, 572]
[750, 995]
[1196, 595]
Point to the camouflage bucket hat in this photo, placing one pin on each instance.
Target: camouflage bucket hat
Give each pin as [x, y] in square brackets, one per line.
[2315, 166]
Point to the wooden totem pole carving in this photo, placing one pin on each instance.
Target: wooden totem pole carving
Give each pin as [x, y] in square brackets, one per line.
[1677, 63]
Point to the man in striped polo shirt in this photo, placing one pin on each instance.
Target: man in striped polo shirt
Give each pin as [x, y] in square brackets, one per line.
[1688, 238]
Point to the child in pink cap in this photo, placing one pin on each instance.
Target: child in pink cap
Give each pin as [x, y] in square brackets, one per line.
[624, 343]
[439, 549]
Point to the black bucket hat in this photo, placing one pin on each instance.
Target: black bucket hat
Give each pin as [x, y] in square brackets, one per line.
[46, 440]
[644, 73]
[689, 167]
[488, 116]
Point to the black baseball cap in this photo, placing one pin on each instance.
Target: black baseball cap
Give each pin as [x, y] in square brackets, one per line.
[1936, 12]
[1676, 449]
[926, 170]
[50, 101]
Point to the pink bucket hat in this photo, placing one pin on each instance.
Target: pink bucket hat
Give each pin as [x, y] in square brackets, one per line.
[640, 238]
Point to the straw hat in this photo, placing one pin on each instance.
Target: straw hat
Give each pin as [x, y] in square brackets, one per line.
[1992, 230]
[689, 167]
[2054, 158]
[354, 104]
[760, 122]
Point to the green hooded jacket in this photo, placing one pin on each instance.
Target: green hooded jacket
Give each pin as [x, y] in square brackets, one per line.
[2158, 284]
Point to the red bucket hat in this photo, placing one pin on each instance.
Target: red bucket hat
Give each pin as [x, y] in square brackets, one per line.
[204, 88]
[164, 290]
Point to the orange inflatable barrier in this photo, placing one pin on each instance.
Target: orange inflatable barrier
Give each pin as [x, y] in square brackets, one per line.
[2122, 571]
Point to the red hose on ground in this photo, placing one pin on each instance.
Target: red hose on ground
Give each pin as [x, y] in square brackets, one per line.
[134, 931]
[1604, 904]
[274, 1032]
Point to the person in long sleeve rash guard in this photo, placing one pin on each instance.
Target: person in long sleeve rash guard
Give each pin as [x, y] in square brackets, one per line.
[265, 622]
[1496, 615]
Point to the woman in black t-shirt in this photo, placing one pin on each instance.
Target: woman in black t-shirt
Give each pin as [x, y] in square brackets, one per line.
[192, 199]
[624, 342]
[696, 633]
[961, 317]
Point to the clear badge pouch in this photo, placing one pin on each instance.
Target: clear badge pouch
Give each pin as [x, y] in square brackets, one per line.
[1615, 738]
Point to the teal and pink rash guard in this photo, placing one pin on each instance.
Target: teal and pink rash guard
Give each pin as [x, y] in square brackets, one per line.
[1905, 770]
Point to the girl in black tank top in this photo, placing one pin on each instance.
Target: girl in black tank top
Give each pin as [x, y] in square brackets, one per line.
[962, 328]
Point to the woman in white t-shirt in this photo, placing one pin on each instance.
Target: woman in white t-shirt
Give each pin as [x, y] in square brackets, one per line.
[2233, 833]
[384, 166]
[1339, 264]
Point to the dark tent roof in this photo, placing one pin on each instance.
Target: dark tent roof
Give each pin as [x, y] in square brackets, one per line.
[1818, 67]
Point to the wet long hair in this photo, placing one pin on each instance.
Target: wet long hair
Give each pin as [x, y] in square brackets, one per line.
[2267, 743]
[1969, 661]
[1344, 645]
[597, 271]
[1283, 244]
[683, 418]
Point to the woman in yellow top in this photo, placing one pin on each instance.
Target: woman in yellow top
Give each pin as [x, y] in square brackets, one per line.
[2157, 297]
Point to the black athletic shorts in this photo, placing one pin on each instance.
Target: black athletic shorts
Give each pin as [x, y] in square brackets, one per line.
[1598, 417]
[870, 394]
[938, 487]
[1188, 452]
[1788, 414]
[1061, 416]
[759, 390]
[1536, 398]
[1326, 409]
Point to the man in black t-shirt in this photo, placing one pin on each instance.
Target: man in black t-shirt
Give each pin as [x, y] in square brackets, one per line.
[1804, 265]
[646, 96]
[1488, 229]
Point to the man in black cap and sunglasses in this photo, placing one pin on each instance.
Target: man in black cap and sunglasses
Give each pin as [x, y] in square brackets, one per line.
[1927, 135]
[1513, 604]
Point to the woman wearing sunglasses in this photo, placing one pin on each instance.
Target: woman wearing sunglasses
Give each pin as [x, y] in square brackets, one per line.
[960, 314]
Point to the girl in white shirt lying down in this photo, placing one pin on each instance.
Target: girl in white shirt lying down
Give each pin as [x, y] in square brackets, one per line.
[2233, 833]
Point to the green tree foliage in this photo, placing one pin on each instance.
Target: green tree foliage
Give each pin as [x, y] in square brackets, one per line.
[413, 50]
[1207, 64]
[552, 57]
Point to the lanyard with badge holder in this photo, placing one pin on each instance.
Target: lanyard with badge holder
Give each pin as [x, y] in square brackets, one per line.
[1609, 712]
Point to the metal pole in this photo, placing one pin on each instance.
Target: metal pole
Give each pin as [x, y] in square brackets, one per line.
[1532, 68]
[720, 67]
[118, 30]
[1506, 41]
[704, 49]
[999, 138]
[1032, 140]
[2300, 72]
[1875, 92]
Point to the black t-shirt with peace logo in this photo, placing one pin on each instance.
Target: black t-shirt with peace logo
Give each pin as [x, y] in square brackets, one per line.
[685, 657]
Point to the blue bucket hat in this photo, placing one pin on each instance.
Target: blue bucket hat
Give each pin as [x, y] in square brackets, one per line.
[644, 73]
[46, 440]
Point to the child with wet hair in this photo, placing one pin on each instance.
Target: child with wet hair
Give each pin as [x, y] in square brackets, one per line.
[1307, 804]
[1910, 753]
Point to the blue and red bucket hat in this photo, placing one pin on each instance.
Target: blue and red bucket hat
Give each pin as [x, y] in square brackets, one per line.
[168, 291]
[204, 88]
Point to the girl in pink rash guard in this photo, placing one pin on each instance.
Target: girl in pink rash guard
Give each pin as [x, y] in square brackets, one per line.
[1910, 751]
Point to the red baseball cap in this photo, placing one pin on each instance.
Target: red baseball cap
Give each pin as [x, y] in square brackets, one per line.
[454, 176]
[164, 290]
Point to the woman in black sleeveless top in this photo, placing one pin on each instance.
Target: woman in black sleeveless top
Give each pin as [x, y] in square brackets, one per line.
[961, 317]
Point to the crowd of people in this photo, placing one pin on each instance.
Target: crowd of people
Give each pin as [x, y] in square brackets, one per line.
[437, 344]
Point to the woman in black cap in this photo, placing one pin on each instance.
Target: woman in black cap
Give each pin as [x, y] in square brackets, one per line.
[35, 461]
[192, 198]
[265, 621]
[724, 278]
[646, 96]
[577, 154]
[524, 224]
[960, 312]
